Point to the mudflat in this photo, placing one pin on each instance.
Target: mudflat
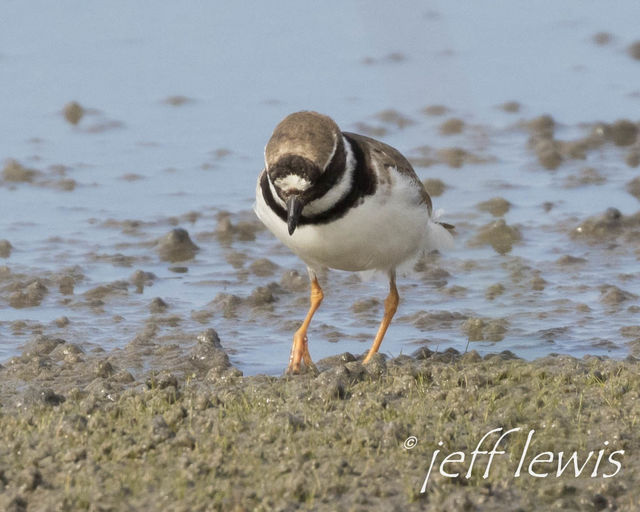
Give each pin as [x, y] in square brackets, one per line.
[81, 433]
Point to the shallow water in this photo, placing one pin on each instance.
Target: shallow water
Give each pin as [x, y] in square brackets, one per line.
[136, 156]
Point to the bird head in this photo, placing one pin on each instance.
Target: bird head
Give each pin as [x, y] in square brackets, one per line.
[299, 156]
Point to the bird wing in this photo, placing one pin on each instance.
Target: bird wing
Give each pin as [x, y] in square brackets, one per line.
[391, 159]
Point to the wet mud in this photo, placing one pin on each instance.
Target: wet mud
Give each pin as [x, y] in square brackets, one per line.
[496, 206]
[435, 187]
[511, 107]
[176, 246]
[87, 430]
[73, 112]
[452, 126]
[634, 50]
[498, 235]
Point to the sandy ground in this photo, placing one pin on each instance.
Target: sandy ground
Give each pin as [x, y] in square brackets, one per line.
[81, 433]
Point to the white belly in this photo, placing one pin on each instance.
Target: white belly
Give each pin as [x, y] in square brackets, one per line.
[382, 232]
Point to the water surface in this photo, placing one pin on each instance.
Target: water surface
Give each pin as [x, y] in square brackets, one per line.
[142, 162]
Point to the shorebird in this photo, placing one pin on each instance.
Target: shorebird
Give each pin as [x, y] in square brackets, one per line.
[343, 201]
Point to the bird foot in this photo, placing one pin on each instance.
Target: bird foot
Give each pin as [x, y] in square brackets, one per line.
[300, 359]
[302, 369]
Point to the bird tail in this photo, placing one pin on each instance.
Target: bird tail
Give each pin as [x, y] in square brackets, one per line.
[440, 234]
[449, 227]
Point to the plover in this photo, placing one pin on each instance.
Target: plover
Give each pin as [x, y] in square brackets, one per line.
[343, 201]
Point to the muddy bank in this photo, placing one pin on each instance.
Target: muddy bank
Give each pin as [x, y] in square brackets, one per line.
[83, 432]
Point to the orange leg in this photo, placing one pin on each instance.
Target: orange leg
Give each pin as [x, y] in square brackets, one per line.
[390, 307]
[300, 347]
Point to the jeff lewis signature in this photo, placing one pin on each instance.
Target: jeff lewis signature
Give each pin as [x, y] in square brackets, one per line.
[538, 465]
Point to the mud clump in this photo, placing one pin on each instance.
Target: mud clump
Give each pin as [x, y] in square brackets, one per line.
[481, 329]
[496, 206]
[262, 296]
[586, 176]
[599, 134]
[41, 396]
[224, 228]
[600, 226]
[633, 187]
[66, 184]
[244, 231]
[538, 283]
[570, 260]
[40, 346]
[293, 281]
[630, 331]
[634, 50]
[434, 186]
[547, 150]
[542, 127]
[456, 157]
[390, 58]
[5, 272]
[395, 118]
[453, 157]
[452, 126]
[498, 235]
[62, 322]
[176, 246]
[366, 306]
[623, 132]
[427, 321]
[227, 304]
[426, 158]
[30, 295]
[574, 149]
[236, 259]
[548, 153]
[5, 248]
[263, 267]
[73, 112]
[608, 226]
[117, 260]
[435, 110]
[106, 290]
[495, 290]
[209, 356]
[613, 296]
[433, 274]
[511, 107]
[158, 305]
[633, 158]
[602, 38]
[15, 172]
[66, 285]
[370, 129]
[140, 279]
[177, 100]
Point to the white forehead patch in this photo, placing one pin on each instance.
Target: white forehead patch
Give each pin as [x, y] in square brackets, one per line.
[292, 181]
